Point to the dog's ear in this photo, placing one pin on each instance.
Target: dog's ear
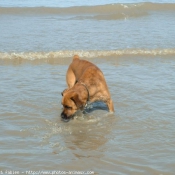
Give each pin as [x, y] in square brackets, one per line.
[62, 93]
[75, 98]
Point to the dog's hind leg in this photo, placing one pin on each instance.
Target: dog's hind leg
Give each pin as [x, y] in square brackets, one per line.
[110, 105]
[70, 78]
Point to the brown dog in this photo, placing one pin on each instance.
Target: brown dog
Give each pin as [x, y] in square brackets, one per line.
[86, 83]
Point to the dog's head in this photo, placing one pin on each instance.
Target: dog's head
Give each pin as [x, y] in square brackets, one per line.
[71, 103]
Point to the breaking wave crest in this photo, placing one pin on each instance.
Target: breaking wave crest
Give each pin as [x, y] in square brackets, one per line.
[99, 12]
[57, 56]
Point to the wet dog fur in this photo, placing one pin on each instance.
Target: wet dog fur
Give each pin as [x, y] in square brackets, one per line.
[86, 83]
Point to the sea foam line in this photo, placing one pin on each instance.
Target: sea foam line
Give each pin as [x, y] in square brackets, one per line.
[84, 54]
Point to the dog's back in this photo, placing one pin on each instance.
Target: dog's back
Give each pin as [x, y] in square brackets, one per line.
[79, 66]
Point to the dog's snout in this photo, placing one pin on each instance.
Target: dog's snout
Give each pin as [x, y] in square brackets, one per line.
[64, 117]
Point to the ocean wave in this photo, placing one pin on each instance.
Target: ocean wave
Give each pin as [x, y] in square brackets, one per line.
[50, 57]
[109, 11]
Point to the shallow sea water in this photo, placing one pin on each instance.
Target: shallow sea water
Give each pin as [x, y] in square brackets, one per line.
[137, 139]
[133, 43]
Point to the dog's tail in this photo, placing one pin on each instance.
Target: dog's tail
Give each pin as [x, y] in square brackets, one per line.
[76, 57]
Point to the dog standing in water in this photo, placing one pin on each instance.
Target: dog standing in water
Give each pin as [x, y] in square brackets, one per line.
[86, 83]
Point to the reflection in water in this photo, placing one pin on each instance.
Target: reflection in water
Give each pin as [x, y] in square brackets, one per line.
[88, 133]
